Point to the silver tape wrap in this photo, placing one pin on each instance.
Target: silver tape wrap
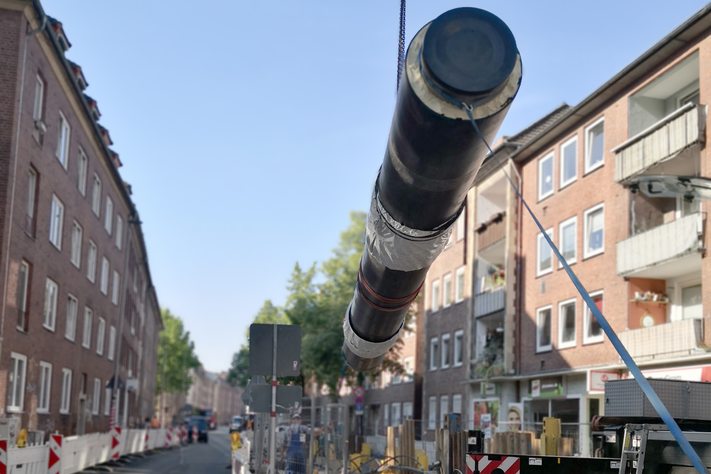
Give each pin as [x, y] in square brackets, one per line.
[399, 247]
[363, 348]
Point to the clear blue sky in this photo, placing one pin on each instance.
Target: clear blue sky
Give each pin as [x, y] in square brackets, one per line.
[249, 130]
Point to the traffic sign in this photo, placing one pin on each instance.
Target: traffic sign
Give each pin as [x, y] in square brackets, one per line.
[359, 409]
[358, 392]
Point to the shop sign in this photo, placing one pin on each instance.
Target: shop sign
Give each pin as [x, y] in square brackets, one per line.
[597, 379]
[698, 373]
[546, 387]
[489, 389]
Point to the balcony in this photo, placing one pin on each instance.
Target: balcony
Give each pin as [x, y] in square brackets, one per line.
[665, 341]
[490, 302]
[492, 231]
[662, 141]
[666, 251]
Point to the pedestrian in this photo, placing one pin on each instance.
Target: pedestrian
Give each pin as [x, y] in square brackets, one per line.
[295, 444]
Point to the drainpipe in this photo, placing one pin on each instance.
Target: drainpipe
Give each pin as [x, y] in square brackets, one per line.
[14, 173]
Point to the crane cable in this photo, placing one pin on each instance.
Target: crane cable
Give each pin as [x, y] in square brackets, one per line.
[401, 45]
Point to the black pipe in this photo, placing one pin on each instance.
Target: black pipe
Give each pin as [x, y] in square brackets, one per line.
[465, 56]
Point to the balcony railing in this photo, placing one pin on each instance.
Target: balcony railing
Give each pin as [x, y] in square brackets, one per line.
[667, 242]
[492, 231]
[489, 301]
[669, 136]
[665, 341]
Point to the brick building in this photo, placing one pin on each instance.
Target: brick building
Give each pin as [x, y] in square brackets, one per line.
[211, 390]
[73, 262]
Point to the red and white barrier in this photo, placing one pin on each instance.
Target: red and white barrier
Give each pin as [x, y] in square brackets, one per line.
[185, 434]
[195, 434]
[168, 438]
[115, 442]
[55, 454]
[3, 456]
[145, 441]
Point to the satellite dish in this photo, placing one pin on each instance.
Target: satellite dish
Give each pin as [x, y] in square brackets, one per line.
[689, 188]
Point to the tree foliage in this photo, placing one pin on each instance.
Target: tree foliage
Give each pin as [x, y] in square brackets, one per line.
[178, 351]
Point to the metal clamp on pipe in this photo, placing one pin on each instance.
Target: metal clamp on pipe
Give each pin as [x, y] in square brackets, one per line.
[466, 56]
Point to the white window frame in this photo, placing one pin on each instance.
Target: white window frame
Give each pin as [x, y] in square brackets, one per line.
[539, 347]
[45, 387]
[386, 415]
[408, 364]
[96, 195]
[70, 329]
[119, 231]
[574, 142]
[38, 107]
[432, 413]
[109, 216]
[105, 270]
[586, 237]
[444, 354]
[112, 343]
[96, 401]
[458, 336]
[56, 222]
[115, 285]
[107, 401]
[395, 414]
[587, 321]
[443, 408]
[436, 295]
[541, 195]
[457, 400]
[62, 151]
[65, 403]
[87, 327]
[50, 304]
[565, 344]
[82, 171]
[434, 353]
[14, 405]
[459, 287]
[91, 257]
[31, 199]
[541, 242]
[23, 286]
[574, 221]
[447, 290]
[461, 220]
[77, 236]
[588, 145]
[101, 336]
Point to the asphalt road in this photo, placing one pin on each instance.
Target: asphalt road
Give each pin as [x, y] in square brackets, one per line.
[212, 457]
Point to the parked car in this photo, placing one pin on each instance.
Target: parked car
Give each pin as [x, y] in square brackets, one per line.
[236, 424]
[201, 424]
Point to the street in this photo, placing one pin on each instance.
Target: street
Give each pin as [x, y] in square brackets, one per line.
[212, 457]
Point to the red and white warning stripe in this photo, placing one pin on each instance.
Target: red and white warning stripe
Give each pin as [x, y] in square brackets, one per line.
[195, 433]
[507, 464]
[55, 454]
[115, 442]
[169, 437]
[185, 434]
[3, 456]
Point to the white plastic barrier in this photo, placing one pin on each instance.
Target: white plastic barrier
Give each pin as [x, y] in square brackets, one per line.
[29, 460]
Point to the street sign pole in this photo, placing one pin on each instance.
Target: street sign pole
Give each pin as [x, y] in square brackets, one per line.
[272, 423]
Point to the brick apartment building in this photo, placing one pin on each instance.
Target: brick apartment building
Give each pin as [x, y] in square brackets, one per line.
[211, 390]
[73, 262]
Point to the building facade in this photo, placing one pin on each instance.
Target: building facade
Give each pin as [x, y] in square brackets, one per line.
[72, 257]
[211, 390]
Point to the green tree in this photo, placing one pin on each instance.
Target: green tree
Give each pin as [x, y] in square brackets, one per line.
[179, 352]
[238, 374]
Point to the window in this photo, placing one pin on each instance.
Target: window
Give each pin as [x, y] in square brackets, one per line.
[461, 221]
[82, 168]
[112, 343]
[434, 353]
[457, 404]
[16, 385]
[107, 401]
[119, 232]
[386, 415]
[432, 414]
[592, 330]
[96, 400]
[569, 162]
[594, 231]
[50, 304]
[76, 245]
[443, 409]
[458, 348]
[109, 216]
[38, 109]
[545, 254]
[445, 350]
[409, 366]
[459, 285]
[101, 336]
[435, 295]
[545, 177]
[566, 324]
[91, 262]
[31, 207]
[56, 222]
[72, 310]
[447, 296]
[104, 276]
[86, 335]
[396, 379]
[395, 414]
[96, 196]
[62, 152]
[594, 145]
[407, 410]
[691, 302]
[66, 391]
[567, 233]
[23, 297]
[44, 387]
[543, 329]
[115, 288]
